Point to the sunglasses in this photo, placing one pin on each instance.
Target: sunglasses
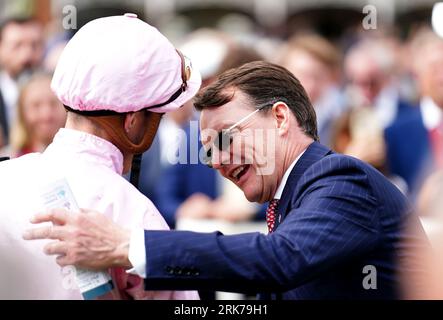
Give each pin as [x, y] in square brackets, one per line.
[224, 138]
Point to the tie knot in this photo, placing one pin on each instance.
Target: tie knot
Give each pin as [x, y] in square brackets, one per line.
[274, 202]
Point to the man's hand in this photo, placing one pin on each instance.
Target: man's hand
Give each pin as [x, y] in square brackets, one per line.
[87, 239]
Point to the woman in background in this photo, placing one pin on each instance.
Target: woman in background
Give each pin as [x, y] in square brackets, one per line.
[40, 116]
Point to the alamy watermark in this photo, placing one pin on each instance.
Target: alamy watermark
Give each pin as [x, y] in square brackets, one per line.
[370, 278]
[69, 21]
[69, 275]
[370, 20]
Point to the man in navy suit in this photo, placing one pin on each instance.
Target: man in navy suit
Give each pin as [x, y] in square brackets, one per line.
[333, 220]
[413, 160]
[415, 144]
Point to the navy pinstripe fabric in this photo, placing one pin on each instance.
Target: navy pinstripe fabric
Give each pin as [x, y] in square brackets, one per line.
[338, 215]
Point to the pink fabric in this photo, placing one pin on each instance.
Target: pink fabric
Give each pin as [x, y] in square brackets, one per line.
[122, 64]
[92, 167]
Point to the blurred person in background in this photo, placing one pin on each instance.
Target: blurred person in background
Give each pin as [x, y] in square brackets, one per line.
[53, 54]
[370, 69]
[374, 104]
[39, 116]
[21, 51]
[415, 144]
[208, 48]
[316, 63]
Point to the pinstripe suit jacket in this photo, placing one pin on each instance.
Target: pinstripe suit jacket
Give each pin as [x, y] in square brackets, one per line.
[338, 215]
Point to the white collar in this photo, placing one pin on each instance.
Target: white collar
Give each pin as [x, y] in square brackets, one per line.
[282, 184]
[71, 142]
[431, 113]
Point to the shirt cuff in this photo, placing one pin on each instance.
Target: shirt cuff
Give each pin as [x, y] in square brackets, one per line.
[137, 253]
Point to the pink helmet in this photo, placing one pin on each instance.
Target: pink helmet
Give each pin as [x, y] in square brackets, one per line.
[122, 64]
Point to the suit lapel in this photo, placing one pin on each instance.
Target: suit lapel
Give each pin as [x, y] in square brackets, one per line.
[313, 153]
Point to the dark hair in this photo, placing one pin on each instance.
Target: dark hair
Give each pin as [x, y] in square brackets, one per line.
[15, 20]
[263, 83]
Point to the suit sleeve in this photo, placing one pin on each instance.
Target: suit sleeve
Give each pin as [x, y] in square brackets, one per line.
[336, 220]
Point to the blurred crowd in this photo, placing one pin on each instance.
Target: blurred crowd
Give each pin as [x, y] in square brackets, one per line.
[378, 97]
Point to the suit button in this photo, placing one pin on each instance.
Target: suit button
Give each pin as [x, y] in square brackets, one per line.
[195, 272]
[169, 270]
[187, 271]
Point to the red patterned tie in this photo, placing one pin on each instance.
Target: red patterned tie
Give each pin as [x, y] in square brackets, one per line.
[271, 214]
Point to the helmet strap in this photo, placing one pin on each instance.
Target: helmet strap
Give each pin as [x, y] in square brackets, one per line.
[115, 128]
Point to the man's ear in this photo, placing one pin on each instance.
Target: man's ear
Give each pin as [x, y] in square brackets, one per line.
[130, 121]
[281, 114]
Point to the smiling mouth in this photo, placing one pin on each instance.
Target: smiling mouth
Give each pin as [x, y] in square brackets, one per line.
[239, 172]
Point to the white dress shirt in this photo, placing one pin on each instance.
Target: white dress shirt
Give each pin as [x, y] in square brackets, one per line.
[137, 250]
[431, 113]
[283, 181]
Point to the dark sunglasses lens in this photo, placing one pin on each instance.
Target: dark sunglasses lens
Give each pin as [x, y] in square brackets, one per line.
[208, 158]
[223, 141]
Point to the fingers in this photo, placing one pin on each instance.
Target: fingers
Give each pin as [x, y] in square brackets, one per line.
[63, 261]
[49, 232]
[56, 216]
[56, 248]
[70, 260]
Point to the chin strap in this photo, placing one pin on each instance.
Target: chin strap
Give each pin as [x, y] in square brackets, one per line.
[135, 169]
[114, 127]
